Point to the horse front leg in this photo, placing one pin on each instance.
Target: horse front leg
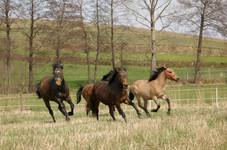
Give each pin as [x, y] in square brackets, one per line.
[61, 107]
[135, 107]
[69, 101]
[121, 112]
[168, 102]
[111, 111]
[47, 103]
[157, 104]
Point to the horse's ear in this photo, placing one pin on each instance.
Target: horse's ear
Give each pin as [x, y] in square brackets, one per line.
[124, 69]
[54, 66]
[165, 66]
[61, 66]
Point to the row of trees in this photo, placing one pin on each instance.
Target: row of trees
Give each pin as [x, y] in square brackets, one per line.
[65, 19]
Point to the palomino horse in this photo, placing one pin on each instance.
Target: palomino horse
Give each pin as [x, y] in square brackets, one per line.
[153, 89]
[111, 93]
[54, 88]
[86, 92]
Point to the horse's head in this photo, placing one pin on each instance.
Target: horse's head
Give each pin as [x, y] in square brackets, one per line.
[58, 74]
[120, 74]
[170, 74]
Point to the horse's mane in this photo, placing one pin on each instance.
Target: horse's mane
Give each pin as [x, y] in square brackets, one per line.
[107, 76]
[155, 73]
[112, 74]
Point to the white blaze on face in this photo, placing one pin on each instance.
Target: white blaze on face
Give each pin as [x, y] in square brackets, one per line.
[58, 81]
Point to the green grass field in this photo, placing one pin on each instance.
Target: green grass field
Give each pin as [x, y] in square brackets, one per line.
[76, 74]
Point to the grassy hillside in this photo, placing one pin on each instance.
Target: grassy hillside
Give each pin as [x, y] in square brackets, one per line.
[136, 46]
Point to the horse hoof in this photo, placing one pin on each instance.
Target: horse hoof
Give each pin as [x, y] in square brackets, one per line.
[148, 115]
[67, 119]
[70, 113]
[154, 110]
[139, 116]
[168, 113]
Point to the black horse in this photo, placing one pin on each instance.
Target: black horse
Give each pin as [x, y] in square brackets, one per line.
[54, 88]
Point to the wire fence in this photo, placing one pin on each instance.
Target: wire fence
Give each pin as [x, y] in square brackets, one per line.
[210, 94]
[207, 76]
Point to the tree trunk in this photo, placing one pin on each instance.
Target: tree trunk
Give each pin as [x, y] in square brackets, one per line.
[153, 49]
[152, 38]
[97, 39]
[199, 49]
[8, 42]
[30, 83]
[58, 49]
[112, 35]
[121, 54]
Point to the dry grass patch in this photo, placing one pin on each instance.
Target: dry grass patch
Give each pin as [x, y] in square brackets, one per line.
[190, 126]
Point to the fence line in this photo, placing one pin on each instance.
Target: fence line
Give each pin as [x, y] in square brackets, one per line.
[212, 95]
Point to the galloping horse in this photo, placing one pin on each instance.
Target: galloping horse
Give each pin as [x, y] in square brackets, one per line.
[86, 92]
[111, 93]
[54, 88]
[153, 89]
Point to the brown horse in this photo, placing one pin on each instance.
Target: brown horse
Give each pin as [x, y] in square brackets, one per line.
[86, 92]
[153, 89]
[111, 93]
[54, 88]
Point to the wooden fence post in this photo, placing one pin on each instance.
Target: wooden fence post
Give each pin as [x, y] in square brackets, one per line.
[216, 98]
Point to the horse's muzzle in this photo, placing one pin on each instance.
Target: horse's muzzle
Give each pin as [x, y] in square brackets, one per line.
[58, 81]
[177, 79]
[125, 86]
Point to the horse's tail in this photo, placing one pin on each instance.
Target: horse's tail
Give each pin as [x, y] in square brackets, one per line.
[78, 94]
[37, 91]
[131, 96]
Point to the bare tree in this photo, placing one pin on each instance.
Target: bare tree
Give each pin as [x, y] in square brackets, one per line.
[64, 16]
[97, 37]
[81, 4]
[115, 12]
[112, 31]
[6, 10]
[147, 13]
[200, 14]
[220, 23]
[31, 9]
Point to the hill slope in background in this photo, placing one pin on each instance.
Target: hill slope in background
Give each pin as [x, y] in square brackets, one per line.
[172, 47]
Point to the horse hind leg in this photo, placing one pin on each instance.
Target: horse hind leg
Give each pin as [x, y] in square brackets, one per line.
[94, 106]
[168, 102]
[87, 105]
[141, 106]
[135, 107]
[47, 103]
[69, 101]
